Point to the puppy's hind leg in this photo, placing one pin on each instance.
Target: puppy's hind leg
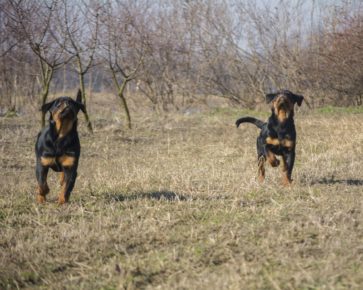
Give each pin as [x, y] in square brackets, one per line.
[261, 157]
[261, 168]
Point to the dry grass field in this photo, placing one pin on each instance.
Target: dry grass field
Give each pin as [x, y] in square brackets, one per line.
[174, 204]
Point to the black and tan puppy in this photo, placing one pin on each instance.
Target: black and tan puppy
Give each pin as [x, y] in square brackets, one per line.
[278, 134]
[58, 146]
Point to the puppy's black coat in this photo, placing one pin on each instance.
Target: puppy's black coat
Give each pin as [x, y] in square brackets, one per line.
[278, 134]
[58, 147]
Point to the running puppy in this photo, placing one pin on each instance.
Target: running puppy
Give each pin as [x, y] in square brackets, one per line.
[58, 146]
[278, 134]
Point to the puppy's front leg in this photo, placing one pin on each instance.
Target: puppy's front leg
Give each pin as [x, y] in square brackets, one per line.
[288, 164]
[43, 189]
[70, 175]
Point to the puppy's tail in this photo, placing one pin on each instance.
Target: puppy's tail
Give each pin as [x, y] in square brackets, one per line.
[252, 120]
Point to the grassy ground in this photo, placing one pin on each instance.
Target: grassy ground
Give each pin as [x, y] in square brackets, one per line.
[174, 204]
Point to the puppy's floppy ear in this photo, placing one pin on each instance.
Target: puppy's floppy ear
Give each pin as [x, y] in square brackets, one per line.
[298, 99]
[78, 102]
[46, 107]
[79, 96]
[270, 97]
[81, 107]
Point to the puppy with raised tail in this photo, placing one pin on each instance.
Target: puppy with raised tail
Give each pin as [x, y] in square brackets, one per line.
[278, 134]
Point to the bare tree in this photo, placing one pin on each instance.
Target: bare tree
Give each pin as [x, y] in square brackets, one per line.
[342, 58]
[7, 40]
[169, 59]
[33, 22]
[123, 45]
[181, 51]
[77, 34]
[7, 44]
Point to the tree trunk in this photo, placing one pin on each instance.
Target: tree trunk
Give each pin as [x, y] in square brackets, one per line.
[44, 99]
[120, 93]
[128, 116]
[84, 100]
[47, 77]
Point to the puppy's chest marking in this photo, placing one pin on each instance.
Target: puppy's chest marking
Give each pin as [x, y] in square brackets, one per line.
[284, 142]
[64, 161]
[47, 161]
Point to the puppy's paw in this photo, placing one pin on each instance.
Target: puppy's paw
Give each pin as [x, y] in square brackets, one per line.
[61, 200]
[41, 198]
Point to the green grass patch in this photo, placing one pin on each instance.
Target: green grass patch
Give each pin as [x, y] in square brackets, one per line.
[341, 110]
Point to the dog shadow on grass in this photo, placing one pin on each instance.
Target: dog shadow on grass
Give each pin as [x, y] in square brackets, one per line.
[332, 181]
[160, 195]
[152, 195]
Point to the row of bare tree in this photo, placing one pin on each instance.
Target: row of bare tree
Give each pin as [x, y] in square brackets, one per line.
[173, 51]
